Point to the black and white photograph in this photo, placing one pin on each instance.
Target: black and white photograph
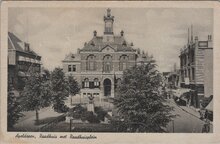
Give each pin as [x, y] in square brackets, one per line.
[107, 69]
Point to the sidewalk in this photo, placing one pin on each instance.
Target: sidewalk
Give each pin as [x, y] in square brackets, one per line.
[189, 119]
[27, 123]
[191, 110]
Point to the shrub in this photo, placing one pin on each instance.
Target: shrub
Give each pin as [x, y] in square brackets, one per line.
[77, 111]
[100, 113]
[60, 108]
[93, 119]
[90, 117]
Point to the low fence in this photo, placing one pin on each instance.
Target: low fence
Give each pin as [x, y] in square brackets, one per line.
[90, 127]
[48, 126]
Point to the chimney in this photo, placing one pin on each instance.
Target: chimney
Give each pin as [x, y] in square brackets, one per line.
[191, 33]
[122, 33]
[188, 35]
[95, 33]
[196, 38]
[26, 46]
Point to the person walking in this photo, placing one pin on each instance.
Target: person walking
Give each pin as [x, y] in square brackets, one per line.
[206, 126]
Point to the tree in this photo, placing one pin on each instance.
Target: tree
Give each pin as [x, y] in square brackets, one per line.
[14, 108]
[73, 86]
[46, 73]
[140, 102]
[36, 94]
[60, 90]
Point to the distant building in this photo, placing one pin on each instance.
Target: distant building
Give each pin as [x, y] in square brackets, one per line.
[21, 61]
[99, 65]
[171, 79]
[196, 67]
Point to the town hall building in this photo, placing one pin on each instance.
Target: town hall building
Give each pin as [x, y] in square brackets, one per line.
[98, 66]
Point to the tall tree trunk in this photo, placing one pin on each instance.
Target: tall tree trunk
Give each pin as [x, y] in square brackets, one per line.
[37, 116]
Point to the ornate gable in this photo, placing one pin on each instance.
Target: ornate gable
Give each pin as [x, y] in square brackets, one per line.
[107, 49]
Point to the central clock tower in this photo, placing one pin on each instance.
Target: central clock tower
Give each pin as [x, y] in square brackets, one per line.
[108, 29]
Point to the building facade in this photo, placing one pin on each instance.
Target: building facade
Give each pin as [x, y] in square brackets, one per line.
[196, 67]
[21, 61]
[99, 65]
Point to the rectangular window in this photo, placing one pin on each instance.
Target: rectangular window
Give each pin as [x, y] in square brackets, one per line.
[74, 68]
[69, 68]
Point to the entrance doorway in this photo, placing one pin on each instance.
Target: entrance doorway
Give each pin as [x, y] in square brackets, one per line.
[107, 87]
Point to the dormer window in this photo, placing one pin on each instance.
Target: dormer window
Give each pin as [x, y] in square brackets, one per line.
[124, 43]
[92, 43]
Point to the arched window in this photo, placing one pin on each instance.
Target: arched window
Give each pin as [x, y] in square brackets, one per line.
[96, 82]
[107, 63]
[91, 63]
[86, 83]
[123, 62]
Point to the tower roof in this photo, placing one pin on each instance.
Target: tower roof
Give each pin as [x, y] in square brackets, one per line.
[108, 16]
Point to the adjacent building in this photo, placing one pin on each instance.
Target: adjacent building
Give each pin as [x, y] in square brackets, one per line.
[21, 61]
[196, 67]
[98, 66]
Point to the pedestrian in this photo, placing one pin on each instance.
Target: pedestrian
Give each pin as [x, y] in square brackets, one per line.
[202, 113]
[206, 127]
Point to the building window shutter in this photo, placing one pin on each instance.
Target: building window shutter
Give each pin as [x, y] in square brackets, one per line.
[91, 84]
[83, 84]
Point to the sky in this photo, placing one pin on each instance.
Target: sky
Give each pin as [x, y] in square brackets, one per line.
[162, 32]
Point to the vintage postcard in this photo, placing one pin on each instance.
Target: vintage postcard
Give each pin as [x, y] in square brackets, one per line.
[110, 72]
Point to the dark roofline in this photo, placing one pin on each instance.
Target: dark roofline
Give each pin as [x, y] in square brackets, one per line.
[14, 40]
